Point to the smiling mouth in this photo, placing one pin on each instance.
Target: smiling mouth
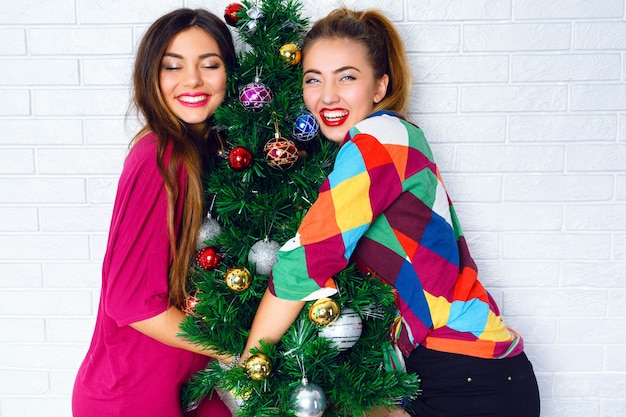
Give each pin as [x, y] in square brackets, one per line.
[334, 117]
[194, 100]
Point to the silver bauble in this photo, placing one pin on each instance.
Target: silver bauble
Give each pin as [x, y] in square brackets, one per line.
[345, 331]
[308, 400]
[263, 255]
[208, 231]
[231, 401]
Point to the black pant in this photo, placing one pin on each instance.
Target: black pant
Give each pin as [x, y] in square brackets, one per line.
[463, 386]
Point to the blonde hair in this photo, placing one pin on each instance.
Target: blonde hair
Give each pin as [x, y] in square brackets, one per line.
[384, 46]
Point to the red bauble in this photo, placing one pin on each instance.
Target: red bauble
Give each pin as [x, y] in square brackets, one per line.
[239, 158]
[230, 14]
[281, 153]
[208, 258]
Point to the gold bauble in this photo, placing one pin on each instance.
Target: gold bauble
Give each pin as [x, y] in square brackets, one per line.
[238, 279]
[324, 311]
[258, 367]
[290, 53]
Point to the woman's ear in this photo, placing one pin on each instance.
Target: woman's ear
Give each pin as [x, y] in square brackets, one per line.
[381, 88]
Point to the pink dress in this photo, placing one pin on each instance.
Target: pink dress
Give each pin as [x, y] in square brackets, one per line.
[126, 373]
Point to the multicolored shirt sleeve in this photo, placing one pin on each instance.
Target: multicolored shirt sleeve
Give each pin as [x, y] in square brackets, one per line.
[385, 207]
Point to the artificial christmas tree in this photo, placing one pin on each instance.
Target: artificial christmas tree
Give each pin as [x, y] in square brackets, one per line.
[336, 359]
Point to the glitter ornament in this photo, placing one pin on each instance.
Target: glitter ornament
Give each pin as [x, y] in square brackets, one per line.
[305, 127]
[308, 400]
[345, 331]
[230, 14]
[324, 311]
[290, 53]
[258, 367]
[281, 153]
[208, 231]
[208, 258]
[239, 158]
[190, 304]
[253, 96]
[238, 279]
[263, 255]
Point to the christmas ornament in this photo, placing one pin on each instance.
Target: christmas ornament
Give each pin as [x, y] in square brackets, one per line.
[254, 13]
[253, 96]
[190, 304]
[324, 311]
[345, 331]
[305, 127]
[280, 153]
[208, 258]
[238, 279]
[230, 14]
[239, 158]
[208, 231]
[290, 53]
[263, 255]
[258, 367]
[308, 400]
[230, 399]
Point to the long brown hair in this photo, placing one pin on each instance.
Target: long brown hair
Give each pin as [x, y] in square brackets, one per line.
[186, 145]
[384, 46]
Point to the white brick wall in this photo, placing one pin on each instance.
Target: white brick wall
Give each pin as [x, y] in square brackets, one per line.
[523, 101]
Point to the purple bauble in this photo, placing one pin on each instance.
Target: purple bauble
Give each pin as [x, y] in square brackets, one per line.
[254, 95]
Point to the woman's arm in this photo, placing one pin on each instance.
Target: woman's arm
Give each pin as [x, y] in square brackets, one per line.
[273, 317]
[165, 328]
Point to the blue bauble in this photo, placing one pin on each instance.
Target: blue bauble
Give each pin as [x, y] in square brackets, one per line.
[306, 127]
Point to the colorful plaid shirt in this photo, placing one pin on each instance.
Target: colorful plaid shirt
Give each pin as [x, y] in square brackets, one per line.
[384, 207]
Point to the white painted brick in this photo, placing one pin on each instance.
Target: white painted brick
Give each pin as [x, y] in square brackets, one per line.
[107, 71]
[572, 407]
[547, 246]
[596, 158]
[14, 102]
[474, 188]
[562, 128]
[444, 155]
[598, 97]
[431, 99]
[461, 69]
[596, 217]
[546, 187]
[76, 219]
[506, 217]
[565, 67]
[23, 383]
[616, 358]
[69, 330]
[539, 9]
[21, 330]
[115, 11]
[617, 301]
[576, 303]
[513, 98]
[622, 132]
[49, 356]
[15, 275]
[40, 132]
[613, 408]
[39, 72]
[595, 35]
[596, 332]
[620, 192]
[98, 246]
[118, 132]
[44, 247]
[534, 330]
[568, 359]
[516, 37]
[73, 275]
[101, 190]
[18, 219]
[35, 11]
[44, 406]
[50, 303]
[619, 247]
[62, 382]
[81, 102]
[319, 8]
[492, 158]
[17, 161]
[12, 41]
[594, 274]
[458, 128]
[431, 38]
[42, 190]
[459, 10]
[80, 161]
[512, 274]
[483, 245]
[603, 385]
[84, 41]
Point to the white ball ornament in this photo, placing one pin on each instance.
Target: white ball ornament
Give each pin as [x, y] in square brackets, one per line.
[208, 231]
[308, 400]
[345, 331]
[263, 255]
